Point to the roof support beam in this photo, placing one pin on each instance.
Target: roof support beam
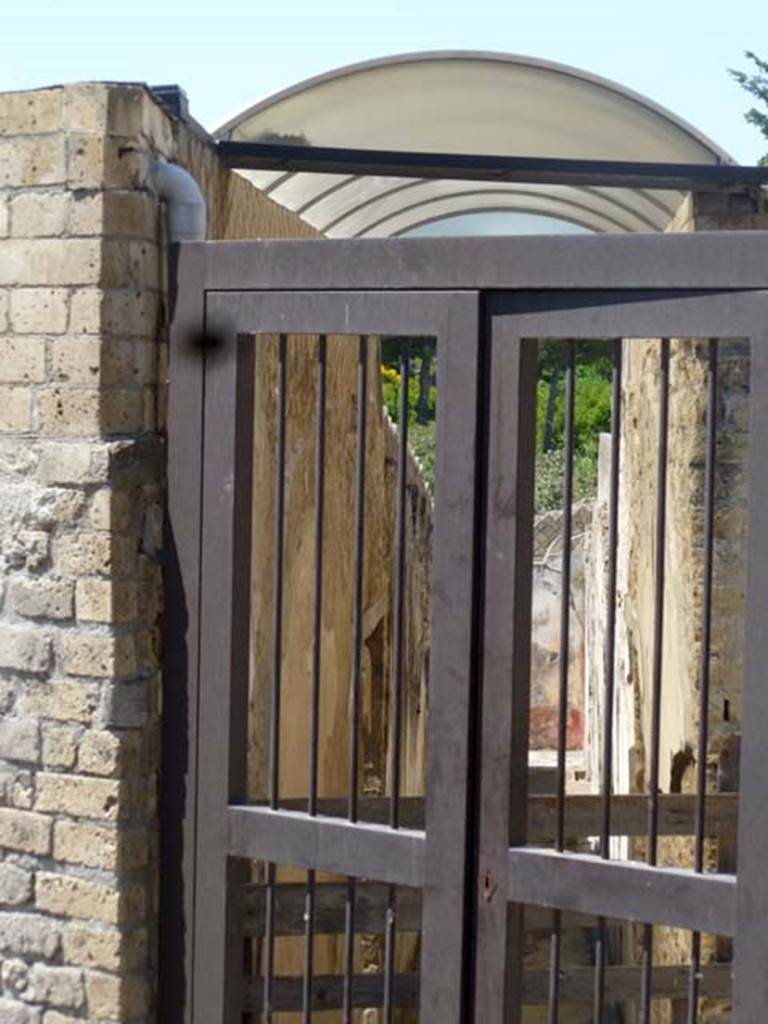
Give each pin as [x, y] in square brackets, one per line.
[260, 156]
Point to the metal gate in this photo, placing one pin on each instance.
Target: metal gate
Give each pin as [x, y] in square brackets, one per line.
[469, 864]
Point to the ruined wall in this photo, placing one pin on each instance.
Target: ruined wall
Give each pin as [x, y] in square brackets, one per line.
[546, 629]
[683, 562]
[684, 544]
[83, 310]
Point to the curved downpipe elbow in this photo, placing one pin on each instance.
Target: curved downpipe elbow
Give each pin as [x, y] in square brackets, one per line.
[184, 202]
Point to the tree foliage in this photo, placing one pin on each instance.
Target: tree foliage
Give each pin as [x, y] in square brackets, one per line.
[592, 411]
[421, 353]
[756, 84]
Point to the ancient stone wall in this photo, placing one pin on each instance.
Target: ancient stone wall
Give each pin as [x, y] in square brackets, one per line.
[684, 543]
[82, 371]
[684, 539]
[683, 562]
[546, 630]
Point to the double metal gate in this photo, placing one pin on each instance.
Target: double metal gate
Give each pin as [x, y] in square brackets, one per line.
[486, 302]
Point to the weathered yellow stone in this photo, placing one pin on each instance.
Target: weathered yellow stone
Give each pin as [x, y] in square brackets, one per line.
[50, 261]
[31, 113]
[93, 945]
[86, 215]
[95, 846]
[130, 214]
[85, 311]
[39, 214]
[38, 310]
[63, 700]
[22, 360]
[111, 997]
[122, 410]
[81, 796]
[66, 411]
[106, 753]
[129, 264]
[25, 831]
[15, 409]
[95, 552]
[85, 160]
[44, 598]
[85, 107]
[98, 600]
[114, 510]
[92, 654]
[60, 744]
[32, 161]
[70, 896]
[127, 161]
[75, 360]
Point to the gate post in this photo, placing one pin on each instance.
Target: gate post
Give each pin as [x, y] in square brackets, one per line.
[178, 777]
[750, 965]
[506, 669]
[453, 673]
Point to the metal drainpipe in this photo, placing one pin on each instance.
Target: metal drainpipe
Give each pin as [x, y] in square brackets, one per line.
[184, 202]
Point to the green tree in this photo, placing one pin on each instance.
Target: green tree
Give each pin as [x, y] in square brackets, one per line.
[756, 84]
[422, 361]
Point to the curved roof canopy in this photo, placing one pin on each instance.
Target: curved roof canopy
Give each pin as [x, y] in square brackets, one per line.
[460, 102]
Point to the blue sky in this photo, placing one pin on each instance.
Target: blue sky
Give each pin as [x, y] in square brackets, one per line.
[227, 54]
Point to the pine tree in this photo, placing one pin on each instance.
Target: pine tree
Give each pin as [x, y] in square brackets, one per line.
[756, 85]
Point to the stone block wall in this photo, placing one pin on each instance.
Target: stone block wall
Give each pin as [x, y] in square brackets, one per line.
[80, 507]
[82, 370]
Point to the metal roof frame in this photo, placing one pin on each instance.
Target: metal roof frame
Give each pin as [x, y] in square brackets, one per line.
[267, 156]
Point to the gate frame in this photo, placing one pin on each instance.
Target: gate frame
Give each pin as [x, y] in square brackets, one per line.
[701, 264]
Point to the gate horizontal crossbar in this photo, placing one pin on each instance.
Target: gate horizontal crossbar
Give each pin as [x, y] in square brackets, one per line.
[622, 984]
[622, 889]
[710, 260]
[358, 849]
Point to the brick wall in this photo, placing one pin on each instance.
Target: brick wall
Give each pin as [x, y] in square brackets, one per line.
[82, 367]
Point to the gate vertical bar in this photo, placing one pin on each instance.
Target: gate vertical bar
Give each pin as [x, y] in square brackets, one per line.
[396, 699]
[506, 668]
[317, 639]
[609, 669]
[704, 661]
[225, 617]
[662, 458]
[444, 980]
[178, 778]
[563, 671]
[750, 988]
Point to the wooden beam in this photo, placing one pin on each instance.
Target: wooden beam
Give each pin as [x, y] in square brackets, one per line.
[370, 910]
[622, 985]
[629, 814]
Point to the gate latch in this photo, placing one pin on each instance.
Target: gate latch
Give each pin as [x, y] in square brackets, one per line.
[488, 886]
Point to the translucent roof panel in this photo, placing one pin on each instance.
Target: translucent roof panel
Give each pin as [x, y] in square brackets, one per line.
[477, 103]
